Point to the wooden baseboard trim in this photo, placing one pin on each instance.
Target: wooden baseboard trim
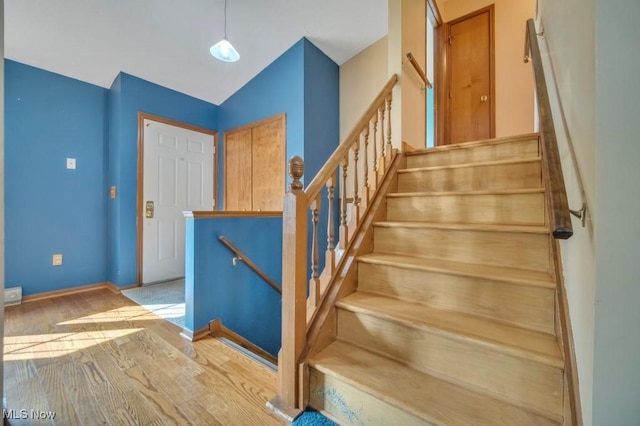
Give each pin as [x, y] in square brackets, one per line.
[118, 290]
[193, 336]
[68, 291]
[217, 329]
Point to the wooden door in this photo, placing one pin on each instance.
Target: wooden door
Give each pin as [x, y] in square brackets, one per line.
[268, 160]
[254, 166]
[470, 77]
[237, 170]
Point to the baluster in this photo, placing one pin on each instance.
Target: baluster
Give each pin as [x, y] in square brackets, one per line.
[344, 229]
[330, 256]
[389, 150]
[382, 166]
[356, 196]
[365, 163]
[314, 283]
[374, 121]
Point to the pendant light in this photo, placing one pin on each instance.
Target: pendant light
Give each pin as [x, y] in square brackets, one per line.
[223, 50]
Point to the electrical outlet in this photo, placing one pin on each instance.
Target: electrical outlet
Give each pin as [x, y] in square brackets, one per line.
[57, 260]
[71, 163]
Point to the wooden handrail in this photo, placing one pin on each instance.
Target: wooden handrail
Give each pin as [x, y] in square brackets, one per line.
[559, 206]
[419, 70]
[249, 263]
[333, 162]
[364, 160]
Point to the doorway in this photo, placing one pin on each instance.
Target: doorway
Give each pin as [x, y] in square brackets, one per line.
[176, 173]
[466, 48]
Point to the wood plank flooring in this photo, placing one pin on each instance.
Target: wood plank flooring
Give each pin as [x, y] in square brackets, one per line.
[97, 358]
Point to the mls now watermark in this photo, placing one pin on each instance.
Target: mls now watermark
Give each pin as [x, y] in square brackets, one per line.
[24, 414]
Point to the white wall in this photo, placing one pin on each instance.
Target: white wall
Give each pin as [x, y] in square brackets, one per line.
[592, 45]
[569, 40]
[616, 378]
[361, 78]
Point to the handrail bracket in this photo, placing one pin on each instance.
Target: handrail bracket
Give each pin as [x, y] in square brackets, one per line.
[580, 214]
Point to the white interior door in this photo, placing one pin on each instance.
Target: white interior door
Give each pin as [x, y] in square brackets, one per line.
[178, 176]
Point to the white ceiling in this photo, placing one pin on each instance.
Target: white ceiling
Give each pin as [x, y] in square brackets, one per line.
[167, 41]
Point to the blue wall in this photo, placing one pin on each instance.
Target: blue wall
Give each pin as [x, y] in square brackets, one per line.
[130, 95]
[321, 108]
[303, 83]
[276, 89]
[321, 128]
[50, 209]
[235, 294]
[101, 126]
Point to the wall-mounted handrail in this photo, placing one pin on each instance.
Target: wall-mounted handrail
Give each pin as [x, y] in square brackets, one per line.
[243, 257]
[419, 70]
[559, 206]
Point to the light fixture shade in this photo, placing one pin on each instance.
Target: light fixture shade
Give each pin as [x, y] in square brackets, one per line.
[224, 51]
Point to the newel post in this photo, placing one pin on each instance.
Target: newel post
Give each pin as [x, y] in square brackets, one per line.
[294, 289]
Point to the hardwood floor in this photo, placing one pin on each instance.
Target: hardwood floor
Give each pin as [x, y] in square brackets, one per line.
[97, 358]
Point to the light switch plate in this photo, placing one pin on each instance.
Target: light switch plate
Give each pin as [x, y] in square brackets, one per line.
[71, 163]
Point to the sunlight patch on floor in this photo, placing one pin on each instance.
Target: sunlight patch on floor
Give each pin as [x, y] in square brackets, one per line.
[40, 346]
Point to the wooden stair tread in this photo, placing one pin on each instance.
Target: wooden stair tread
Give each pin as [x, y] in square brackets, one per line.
[473, 144]
[423, 395]
[515, 341]
[492, 272]
[530, 229]
[466, 165]
[480, 192]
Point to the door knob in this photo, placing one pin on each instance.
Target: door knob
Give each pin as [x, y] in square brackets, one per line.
[149, 210]
[484, 98]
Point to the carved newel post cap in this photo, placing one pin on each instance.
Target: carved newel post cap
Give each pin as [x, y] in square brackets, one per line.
[296, 170]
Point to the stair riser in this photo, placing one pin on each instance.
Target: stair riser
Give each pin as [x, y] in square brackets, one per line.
[509, 209]
[351, 406]
[510, 249]
[487, 177]
[492, 152]
[521, 305]
[520, 380]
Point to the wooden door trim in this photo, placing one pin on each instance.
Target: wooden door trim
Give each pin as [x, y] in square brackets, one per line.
[443, 75]
[140, 179]
[281, 116]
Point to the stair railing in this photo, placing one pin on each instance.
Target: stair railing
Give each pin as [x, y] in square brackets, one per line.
[240, 256]
[360, 162]
[554, 180]
[416, 66]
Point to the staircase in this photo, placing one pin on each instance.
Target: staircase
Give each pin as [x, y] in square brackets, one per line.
[454, 317]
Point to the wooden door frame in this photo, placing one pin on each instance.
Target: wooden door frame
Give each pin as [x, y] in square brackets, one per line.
[443, 75]
[280, 116]
[435, 17]
[140, 189]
